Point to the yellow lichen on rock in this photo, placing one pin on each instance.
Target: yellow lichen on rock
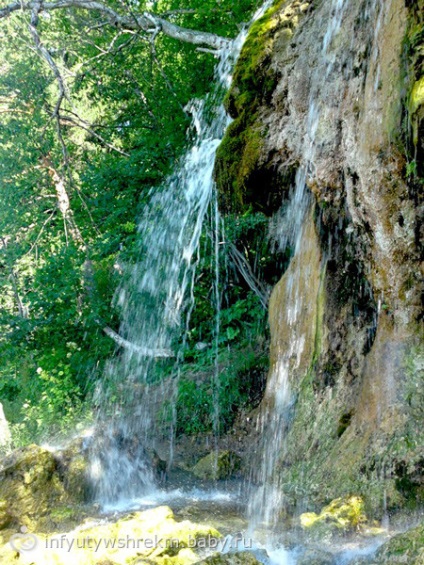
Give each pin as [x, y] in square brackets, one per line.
[417, 96]
[341, 516]
[152, 536]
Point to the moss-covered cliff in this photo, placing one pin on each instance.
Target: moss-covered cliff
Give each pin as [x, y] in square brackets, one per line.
[358, 387]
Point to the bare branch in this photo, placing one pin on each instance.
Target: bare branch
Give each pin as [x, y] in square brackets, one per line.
[41, 231]
[36, 8]
[64, 204]
[213, 52]
[136, 348]
[246, 272]
[147, 22]
[86, 127]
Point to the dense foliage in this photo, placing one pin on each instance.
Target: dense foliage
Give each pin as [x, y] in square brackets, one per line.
[72, 183]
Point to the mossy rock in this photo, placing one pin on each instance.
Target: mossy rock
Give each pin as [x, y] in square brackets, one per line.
[417, 96]
[416, 108]
[219, 466]
[152, 537]
[405, 548]
[6, 518]
[238, 558]
[73, 469]
[243, 176]
[341, 516]
[30, 486]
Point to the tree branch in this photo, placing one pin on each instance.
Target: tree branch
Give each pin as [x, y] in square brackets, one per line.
[147, 22]
[246, 272]
[82, 124]
[137, 348]
[23, 311]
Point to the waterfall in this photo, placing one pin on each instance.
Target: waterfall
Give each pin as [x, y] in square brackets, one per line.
[267, 498]
[156, 301]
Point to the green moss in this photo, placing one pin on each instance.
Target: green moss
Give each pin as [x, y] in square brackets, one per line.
[414, 75]
[236, 161]
[152, 537]
[239, 173]
[30, 485]
[344, 422]
[416, 108]
[217, 466]
[341, 516]
[239, 558]
[403, 548]
[253, 80]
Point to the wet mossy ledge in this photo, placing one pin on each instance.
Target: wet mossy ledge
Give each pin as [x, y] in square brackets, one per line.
[244, 175]
[407, 547]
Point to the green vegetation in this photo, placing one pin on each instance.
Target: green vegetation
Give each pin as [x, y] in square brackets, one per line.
[240, 354]
[413, 102]
[73, 181]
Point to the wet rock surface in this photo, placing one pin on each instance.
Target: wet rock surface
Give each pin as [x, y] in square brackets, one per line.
[30, 488]
[315, 557]
[217, 466]
[407, 547]
[339, 517]
[356, 380]
[152, 536]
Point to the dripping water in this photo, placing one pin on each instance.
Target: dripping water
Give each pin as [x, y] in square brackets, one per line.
[267, 498]
[155, 304]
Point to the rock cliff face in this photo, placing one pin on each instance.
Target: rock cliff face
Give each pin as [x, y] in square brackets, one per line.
[357, 377]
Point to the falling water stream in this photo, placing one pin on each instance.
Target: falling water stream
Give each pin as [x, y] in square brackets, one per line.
[266, 500]
[156, 301]
[157, 298]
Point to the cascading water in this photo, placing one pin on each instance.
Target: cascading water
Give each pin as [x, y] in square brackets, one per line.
[156, 302]
[267, 499]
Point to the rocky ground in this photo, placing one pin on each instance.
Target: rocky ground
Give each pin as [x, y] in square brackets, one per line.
[46, 518]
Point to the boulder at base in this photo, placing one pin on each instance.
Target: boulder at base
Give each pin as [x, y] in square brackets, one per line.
[29, 487]
[219, 466]
[341, 516]
[152, 537]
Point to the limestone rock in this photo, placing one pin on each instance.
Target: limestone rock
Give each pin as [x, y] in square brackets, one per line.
[354, 373]
[216, 467]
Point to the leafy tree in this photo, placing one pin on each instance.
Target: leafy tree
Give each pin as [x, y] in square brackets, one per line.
[93, 106]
